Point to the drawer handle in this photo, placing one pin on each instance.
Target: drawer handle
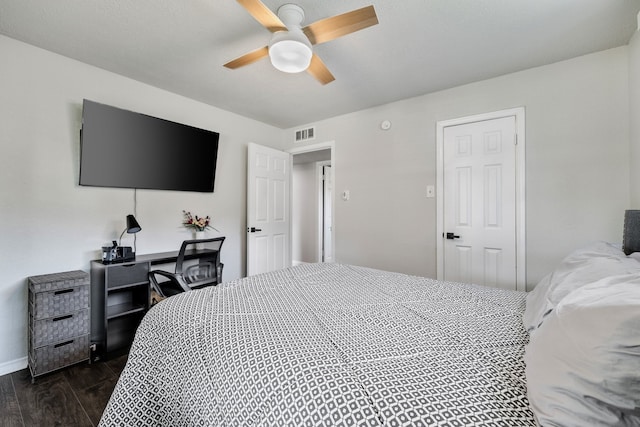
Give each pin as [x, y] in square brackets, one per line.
[62, 344]
[64, 291]
[68, 316]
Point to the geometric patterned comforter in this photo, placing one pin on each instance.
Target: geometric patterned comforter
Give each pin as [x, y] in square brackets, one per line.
[328, 345]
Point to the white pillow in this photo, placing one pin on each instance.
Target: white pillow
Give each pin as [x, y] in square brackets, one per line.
[583, 363]
[581, 267]
[634, 255]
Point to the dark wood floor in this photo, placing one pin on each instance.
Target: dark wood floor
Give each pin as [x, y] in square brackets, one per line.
[74, 396]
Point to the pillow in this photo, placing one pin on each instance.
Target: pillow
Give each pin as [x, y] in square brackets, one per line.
[583, 363]
[581, 267]
[634, 255]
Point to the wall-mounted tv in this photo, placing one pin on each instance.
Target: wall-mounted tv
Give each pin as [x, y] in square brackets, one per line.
[120, 148]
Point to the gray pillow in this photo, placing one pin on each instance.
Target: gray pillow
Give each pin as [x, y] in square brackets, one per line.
[581, 267]
[583, 362]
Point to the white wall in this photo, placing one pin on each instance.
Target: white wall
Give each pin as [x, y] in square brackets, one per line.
[304, 213]
[634, 122]
[577, 168]
[50, 224]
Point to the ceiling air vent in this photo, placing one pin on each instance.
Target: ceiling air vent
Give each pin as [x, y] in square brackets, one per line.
[305, 134]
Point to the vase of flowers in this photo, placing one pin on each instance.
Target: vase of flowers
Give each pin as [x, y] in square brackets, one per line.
[198, 225]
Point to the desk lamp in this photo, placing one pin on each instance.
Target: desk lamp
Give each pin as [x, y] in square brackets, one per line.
[132, 227]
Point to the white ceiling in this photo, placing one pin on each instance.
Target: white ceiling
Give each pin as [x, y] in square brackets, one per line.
[419, 46]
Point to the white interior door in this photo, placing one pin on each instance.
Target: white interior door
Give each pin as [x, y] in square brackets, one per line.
[268, 213]
[480, 203]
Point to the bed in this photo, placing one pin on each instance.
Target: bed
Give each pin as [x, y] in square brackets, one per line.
[332, 345]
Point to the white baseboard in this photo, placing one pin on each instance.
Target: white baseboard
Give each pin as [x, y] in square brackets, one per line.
[296, 263]
[13, 366]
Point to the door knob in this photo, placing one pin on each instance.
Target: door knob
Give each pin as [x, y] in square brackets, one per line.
[452, 236]
[253, 229]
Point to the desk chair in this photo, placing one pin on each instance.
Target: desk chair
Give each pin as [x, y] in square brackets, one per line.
[207, 271]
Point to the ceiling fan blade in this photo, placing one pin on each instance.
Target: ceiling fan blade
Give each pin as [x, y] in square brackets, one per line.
[248, 58]
[320, 71]
[340, 25]
[263, 15]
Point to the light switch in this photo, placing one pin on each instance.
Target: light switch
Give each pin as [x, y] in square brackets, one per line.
[431, 191]
[346, 195]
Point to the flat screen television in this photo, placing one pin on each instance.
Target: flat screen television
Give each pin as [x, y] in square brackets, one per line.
[120, 148]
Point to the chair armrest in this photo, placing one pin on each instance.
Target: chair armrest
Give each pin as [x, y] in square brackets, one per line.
[171, 276]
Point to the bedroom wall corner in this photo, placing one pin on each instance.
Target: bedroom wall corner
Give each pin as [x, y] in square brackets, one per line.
[634, 118]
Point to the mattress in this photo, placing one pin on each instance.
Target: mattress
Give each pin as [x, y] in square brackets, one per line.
[328, 345]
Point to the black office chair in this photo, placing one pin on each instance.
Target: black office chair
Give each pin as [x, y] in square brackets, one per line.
[206, 272]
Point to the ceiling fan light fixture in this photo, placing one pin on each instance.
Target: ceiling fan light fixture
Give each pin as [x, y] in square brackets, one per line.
[290, 51]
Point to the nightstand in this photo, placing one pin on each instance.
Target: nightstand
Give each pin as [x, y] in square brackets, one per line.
[59, 321]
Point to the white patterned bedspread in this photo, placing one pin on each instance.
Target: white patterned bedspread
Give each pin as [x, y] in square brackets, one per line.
[328, 345]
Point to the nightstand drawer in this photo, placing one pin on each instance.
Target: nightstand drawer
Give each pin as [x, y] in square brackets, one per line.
[58, 281]
[56, 303]
[55, 356]
[127, 274]
[56, 329]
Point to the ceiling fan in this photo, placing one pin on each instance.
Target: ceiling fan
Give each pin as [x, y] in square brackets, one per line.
[290, 46]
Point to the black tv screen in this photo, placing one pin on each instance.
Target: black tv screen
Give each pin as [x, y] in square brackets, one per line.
[120, 148]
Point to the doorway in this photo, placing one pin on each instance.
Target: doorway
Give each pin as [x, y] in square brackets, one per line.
[325, 215]
[312, 177]
[480, 200]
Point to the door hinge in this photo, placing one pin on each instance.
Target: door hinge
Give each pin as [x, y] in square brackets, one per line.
[516, 139]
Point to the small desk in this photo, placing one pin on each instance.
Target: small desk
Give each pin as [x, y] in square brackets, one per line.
[120, 295]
